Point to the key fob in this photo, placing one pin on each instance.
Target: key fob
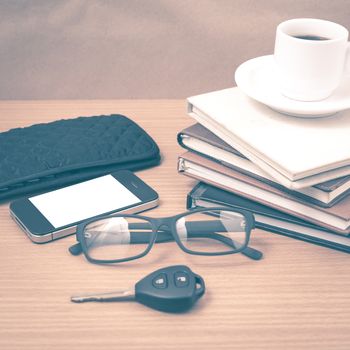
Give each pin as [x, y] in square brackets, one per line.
[170, 289]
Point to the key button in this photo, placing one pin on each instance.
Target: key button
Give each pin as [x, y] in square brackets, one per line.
[181, 279]
[160, 281]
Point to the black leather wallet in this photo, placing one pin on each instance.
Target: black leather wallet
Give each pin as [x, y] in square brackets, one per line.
[47, 156]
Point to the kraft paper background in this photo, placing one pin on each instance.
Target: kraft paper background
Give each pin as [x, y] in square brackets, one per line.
[75, 49]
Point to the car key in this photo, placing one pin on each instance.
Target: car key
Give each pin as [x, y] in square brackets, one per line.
[170, 289]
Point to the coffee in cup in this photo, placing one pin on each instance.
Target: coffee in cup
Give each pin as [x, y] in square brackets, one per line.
[311, 57]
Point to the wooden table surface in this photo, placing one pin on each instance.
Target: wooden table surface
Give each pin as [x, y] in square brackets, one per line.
[297, 297]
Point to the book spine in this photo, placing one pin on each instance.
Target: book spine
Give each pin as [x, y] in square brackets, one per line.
[196, 192]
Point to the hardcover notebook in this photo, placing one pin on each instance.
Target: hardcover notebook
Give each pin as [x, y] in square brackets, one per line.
[336, 218]
[202, 141]
[297, 152]
[205, 196]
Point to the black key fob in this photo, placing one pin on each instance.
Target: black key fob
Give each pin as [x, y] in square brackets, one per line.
[170, 289]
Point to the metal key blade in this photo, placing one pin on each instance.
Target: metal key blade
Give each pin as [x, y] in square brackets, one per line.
[122, 295]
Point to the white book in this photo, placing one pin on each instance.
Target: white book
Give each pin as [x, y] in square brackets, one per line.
[296, 152]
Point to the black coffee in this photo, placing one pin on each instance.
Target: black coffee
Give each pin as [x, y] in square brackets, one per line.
[310, 37]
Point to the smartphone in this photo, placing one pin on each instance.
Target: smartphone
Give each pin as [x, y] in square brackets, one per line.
[56, 214]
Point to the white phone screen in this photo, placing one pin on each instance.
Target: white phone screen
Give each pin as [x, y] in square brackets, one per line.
[84, 200]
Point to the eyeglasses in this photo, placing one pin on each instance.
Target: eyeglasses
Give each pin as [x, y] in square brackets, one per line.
[120, 238]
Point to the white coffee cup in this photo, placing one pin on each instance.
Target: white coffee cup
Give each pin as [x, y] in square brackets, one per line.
[311, 57]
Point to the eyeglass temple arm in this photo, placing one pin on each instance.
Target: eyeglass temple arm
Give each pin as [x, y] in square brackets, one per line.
[165, 236]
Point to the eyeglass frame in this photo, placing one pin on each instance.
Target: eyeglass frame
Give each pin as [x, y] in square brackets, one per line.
[169, 222]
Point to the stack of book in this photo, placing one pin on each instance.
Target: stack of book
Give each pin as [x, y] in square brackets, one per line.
[292, 173]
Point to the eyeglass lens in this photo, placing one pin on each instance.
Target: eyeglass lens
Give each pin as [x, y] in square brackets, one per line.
[117, 238]
[212, 231]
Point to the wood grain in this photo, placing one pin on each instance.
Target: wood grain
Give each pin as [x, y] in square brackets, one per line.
[297, 297]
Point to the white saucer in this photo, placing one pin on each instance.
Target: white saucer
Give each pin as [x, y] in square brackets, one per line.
[257, 79]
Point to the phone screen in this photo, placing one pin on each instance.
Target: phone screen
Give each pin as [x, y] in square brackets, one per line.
[84, 200]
